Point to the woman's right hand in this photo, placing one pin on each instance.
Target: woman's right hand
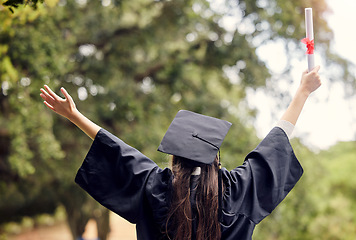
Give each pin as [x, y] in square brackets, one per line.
[64, 107]
[310, 81]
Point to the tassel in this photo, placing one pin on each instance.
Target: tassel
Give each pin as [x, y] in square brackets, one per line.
[220, 191]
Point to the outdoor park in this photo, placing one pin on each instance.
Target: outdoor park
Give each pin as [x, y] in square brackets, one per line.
[130, 65]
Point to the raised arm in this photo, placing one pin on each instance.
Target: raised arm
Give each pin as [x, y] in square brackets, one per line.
[308, 84]
[66, 108]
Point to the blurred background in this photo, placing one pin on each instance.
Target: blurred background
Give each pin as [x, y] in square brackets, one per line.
[130, 65]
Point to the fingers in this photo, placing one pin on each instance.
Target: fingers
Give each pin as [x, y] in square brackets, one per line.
[45, 96]
[314, 73]
[49, 97]
[316, 69]
[305, 72]
[53, 95]
[48, 100]
[48, 105]
[65, 93]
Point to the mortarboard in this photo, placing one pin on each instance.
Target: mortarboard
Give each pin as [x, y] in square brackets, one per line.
[194, 136]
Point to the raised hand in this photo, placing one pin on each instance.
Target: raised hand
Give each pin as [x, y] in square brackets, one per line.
[310, 81]
[64, 107]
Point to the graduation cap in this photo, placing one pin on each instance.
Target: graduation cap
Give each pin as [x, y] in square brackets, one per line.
[194, 136]
[198, 138]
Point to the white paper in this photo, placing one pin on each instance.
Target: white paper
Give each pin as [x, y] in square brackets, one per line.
[309, 34]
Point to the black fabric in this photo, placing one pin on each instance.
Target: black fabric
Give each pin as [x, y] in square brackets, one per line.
[131, 185]
[194, 136]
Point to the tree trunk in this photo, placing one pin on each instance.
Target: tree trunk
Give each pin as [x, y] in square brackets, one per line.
[102, 222]
[77, 220]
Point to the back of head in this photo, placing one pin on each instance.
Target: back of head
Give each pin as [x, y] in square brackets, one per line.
[194, 140]
[179, 222]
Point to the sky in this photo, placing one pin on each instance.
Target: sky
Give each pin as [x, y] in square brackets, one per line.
[327, 117]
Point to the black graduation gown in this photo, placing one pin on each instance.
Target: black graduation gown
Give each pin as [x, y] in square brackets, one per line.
[128, 183]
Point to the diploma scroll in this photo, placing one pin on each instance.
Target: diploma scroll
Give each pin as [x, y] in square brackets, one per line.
[309, 40]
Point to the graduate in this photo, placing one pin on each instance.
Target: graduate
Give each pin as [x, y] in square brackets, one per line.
[195, 199]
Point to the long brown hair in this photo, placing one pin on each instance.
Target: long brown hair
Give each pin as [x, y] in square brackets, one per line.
[179, 222]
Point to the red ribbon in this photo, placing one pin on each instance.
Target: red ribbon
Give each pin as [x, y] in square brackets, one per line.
[310, 45]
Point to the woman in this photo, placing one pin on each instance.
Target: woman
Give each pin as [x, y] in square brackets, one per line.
[189, 201]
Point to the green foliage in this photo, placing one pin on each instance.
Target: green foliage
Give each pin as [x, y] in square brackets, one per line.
[339, 216]
[130, 66]
[15, 3]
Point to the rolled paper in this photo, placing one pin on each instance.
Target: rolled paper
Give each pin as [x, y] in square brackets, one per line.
[309, 40]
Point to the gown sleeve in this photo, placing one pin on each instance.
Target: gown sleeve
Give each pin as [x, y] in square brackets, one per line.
[267, 175]
[115, 174]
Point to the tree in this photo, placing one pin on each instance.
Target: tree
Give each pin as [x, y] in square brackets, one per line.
[15, 4]
[337, 218]
[32, 166]
[133, 64]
